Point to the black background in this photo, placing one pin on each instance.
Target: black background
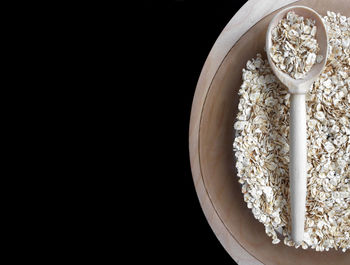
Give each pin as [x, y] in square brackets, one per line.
[181, 35]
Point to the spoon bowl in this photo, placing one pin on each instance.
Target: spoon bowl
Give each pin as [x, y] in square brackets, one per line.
[300, 86]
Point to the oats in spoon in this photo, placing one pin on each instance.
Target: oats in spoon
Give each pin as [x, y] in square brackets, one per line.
[294, 46]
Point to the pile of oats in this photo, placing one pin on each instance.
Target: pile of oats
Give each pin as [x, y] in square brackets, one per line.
[294, 46]
[262, 149]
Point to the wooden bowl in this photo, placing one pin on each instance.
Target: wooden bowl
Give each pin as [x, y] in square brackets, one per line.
[211, 133]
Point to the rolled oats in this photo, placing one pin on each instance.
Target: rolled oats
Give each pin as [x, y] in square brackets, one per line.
[294, 46]
[261, 142]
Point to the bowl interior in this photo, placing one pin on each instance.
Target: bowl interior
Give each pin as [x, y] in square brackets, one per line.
[217, 158]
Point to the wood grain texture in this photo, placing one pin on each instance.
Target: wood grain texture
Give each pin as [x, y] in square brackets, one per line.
[211, 135]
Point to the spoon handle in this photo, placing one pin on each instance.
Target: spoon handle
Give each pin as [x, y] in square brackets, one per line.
[297, 164]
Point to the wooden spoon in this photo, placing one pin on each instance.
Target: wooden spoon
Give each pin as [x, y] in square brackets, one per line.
[297, 136]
